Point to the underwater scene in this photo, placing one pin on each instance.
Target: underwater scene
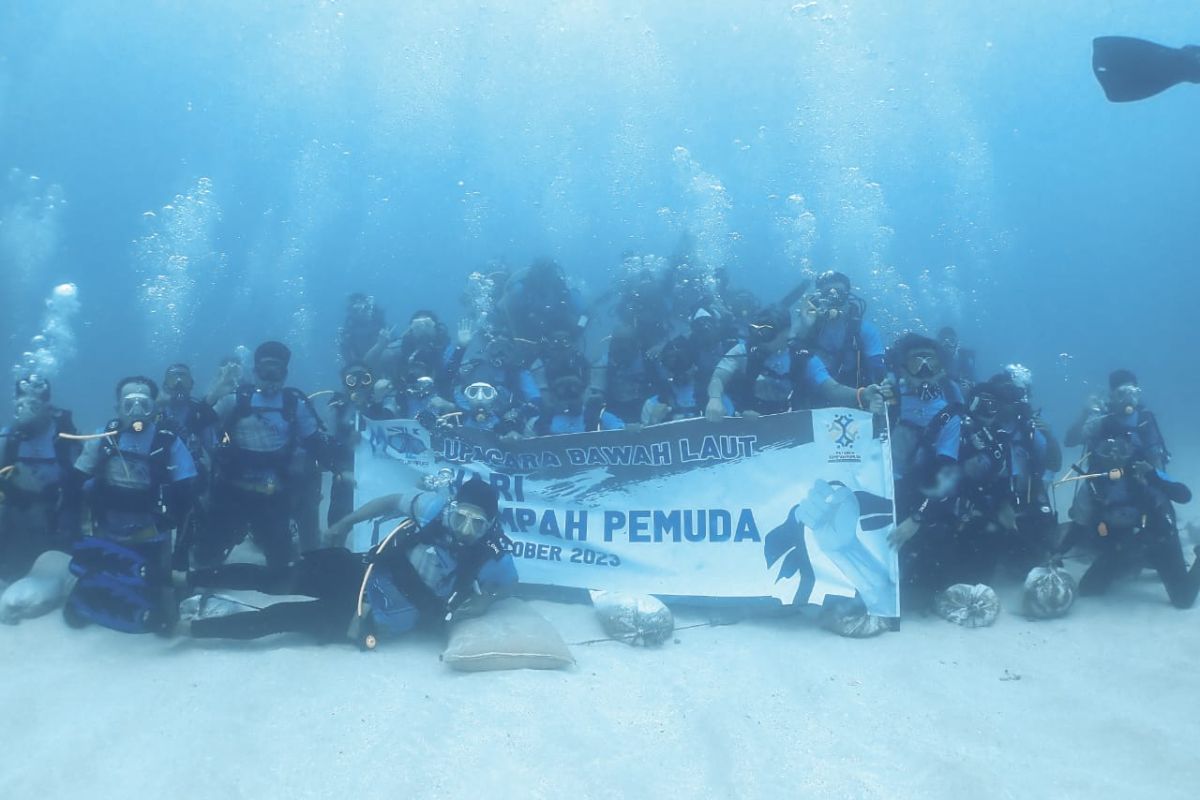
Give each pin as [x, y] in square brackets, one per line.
[515, 398]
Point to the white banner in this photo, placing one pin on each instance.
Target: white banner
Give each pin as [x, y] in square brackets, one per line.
[791, 506]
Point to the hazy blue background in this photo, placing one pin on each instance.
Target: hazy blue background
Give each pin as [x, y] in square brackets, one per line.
[957, 159]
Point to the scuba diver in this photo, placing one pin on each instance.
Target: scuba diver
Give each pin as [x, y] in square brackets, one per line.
[643, 308]
[190, 419]
[417, 394]
[537, 301]
[500, 366]
[960, 362]
[1133, 69]
[679, 393]
[448, 556]
[709, 337]
[264, 425]
[1004, 505]
[566, 410]
[1124, 416]
[348, 407]
[627, 375]
[485, 411]
[363, 325]
[425, 334]
[140, 479]
[39, 490]
[194, 422]
[773, 370]
[849, 345]
[1123, 507]
[926, 436]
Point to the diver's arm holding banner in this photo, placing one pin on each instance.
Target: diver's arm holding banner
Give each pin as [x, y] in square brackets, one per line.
[869, 398]
[389, 505]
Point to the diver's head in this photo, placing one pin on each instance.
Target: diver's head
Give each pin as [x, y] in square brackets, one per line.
[678, 360]
[419, 384]
[1021, 379]
[360, 307]
[423, 325]
[500, 352]
[833, 294]
[558, 342]
[473, 512]
[705, 327]
[32, 383]
[917, 358]
[1124, 392]
[769, 329]
[483, 399]
[567, 379]
[178, 383]
[358, 380]
[986, 403]
[137, 399]
[623, 347]
[271, 366]
[31, 413]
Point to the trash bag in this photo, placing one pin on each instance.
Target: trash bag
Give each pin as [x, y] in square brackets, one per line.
[847, 616]
[636, 619]
[1049, 591]
[970, 606]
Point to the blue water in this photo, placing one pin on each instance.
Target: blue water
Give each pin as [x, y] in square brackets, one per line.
[213, 174]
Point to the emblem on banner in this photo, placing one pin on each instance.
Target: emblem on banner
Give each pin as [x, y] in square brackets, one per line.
[843, 432]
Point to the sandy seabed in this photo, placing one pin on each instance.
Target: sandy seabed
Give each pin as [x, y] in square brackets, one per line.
[1104, 703]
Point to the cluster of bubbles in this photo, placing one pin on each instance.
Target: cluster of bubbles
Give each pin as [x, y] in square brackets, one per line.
[705, 220]
[480, 299]
[175, 256]
[30, 227]
[56, 341]
[640, 273]
[475, 211]
[798, 225]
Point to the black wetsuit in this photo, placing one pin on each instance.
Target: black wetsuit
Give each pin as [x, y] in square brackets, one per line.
[1157, 545]
[331, 576]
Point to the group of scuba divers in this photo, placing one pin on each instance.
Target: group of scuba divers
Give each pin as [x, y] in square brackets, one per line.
[151, 507]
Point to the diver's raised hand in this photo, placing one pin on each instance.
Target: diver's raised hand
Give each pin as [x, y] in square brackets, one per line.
[466, 332]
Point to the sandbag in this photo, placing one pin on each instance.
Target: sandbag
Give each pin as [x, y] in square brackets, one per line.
[847, 616]
[970, 606]
[41, 591]
[1049, 591]
[510, 635]
[636, 619]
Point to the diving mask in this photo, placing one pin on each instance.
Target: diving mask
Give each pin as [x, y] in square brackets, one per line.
[422, 386]
[985, 406]
[354, 379]
[178, 383]
[137, 409]
[29, 410]
[466, 523]
[33, 384]
[1127, 397]
[481, 394]
[922, 364]
[270, 370]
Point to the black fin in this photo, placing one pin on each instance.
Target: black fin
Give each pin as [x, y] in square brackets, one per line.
[1133, 69]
